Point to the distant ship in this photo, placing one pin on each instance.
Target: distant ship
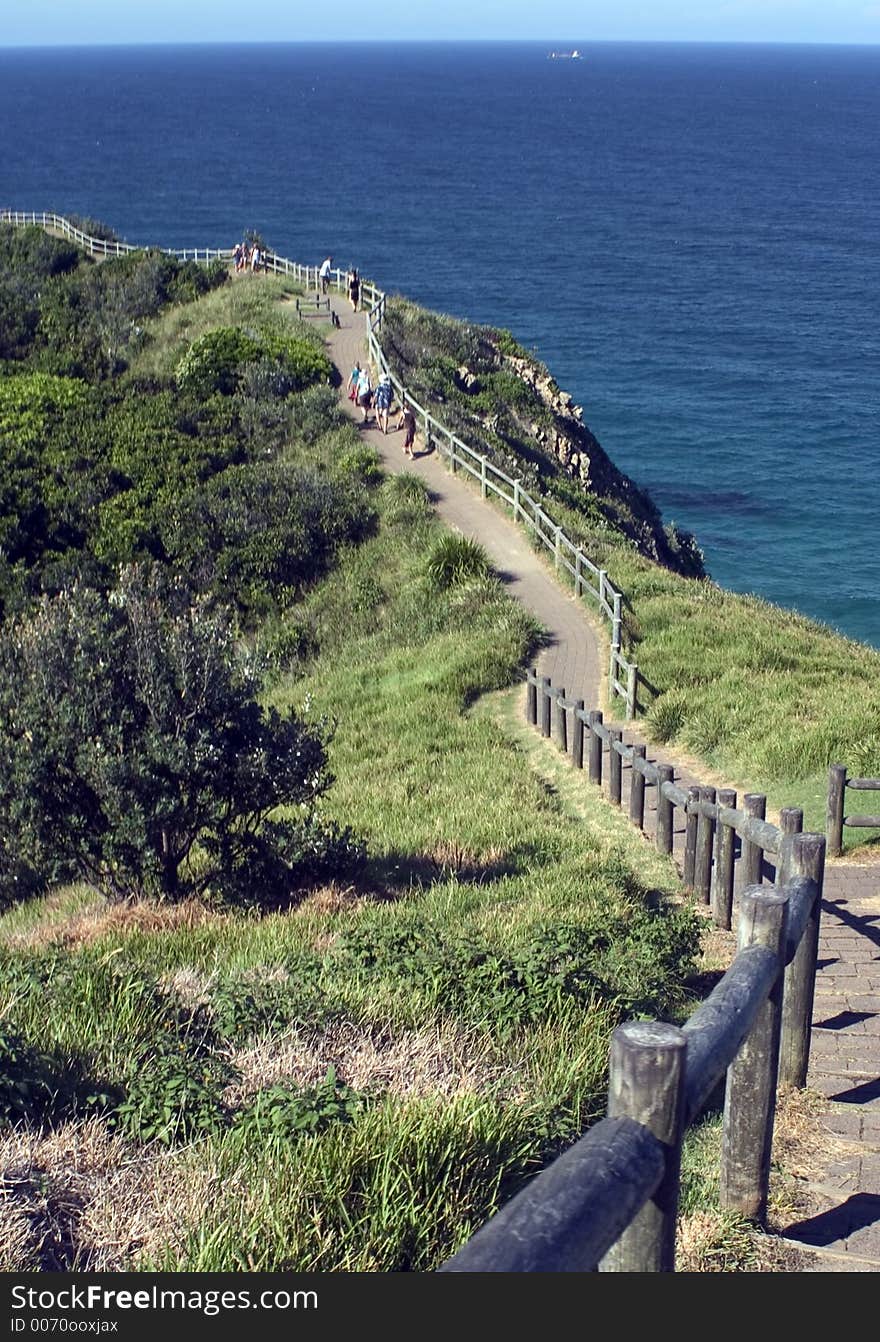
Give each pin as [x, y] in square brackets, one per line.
[565, 55]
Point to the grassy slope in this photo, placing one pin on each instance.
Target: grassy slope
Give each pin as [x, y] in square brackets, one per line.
[465, 986]
[760, 695]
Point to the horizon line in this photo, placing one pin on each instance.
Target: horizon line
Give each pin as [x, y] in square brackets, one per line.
[581, 43]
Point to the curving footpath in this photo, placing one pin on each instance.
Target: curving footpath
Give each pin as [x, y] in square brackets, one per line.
[844, 1232]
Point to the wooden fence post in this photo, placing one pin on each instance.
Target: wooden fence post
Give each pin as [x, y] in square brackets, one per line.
[578, 580]
[807, 859]
[750, 1096]
[615, 644]
[791, 821]
[637, 788]
[632, 674]
[577, 735]
[834, 821]
[752, 855]
[545, 705]
[646, 1083]
[615, 766]
[532, 699]
[725, 840]
[594, 718]
[690, 838]
[561, 722]
[704, 845]
[666, 774]
[483, 484]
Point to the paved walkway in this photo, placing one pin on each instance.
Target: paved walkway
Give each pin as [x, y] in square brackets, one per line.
[844, 1233]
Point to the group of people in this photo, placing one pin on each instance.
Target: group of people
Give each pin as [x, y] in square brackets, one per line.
[352, 281]
[365, 395]
[249, 256]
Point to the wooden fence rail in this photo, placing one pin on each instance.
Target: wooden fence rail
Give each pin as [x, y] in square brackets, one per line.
[838, 782]
[610, 1203]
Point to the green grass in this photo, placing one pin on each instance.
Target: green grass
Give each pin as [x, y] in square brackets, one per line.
[247, 301]
[465, 984]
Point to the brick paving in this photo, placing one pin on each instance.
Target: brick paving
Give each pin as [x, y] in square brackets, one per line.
[844, 1233]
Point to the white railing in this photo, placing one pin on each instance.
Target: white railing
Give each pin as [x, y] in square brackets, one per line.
[588, 578]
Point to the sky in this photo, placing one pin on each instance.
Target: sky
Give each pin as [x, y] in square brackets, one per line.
[73, 22]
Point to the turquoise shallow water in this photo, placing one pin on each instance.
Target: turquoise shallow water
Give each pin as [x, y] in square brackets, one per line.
[687, 235]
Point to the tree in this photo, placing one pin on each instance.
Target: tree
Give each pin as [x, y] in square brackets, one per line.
[134, 753]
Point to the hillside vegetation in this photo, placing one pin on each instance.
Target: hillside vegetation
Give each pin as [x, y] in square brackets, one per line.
[763, 696]
[323, 1011]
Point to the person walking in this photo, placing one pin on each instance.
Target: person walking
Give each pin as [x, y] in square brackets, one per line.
[352, 384]
[365, 393]
[324, 273]
[407, 421]
[384, 393]
[354, 288]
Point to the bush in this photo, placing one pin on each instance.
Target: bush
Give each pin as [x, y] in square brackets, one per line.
[455, 559]
[261, 533]
[217, 361]
[133, 751]
[283, 1112]
[214, 362]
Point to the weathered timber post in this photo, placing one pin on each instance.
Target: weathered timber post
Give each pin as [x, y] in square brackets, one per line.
[557, 548]
[646, 1083]
[602, 576]
[578, 580]
[704, 844]
[666, 774]
[483, 482]
[517, 507]
[750, 1096]
[594, 719]
[834, 819]
[690, 838]
[577, 735]
[615, 766]
[632, 673]
[807, 859]
[615, 644]
[545, 705]
[532, 698]
[791, 821]
[637, 788]
[561, 721]
[752, 855]
[725, 840]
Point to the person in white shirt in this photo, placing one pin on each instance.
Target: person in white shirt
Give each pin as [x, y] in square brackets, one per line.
[324, 274]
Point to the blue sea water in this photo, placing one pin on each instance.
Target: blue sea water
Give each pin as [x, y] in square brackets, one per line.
[686, 234]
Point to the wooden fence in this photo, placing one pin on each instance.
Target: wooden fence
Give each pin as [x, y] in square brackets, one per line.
[589, 580]
[611, 1201]
[838, 782]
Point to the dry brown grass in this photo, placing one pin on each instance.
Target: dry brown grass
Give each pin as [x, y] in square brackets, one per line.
[440, 1060]
[82, 1199]
[84, 926]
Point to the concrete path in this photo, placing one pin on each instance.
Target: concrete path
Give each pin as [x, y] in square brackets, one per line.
[844, 1233]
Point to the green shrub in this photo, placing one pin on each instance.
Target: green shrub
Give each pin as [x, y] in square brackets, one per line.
[667, 716]
[259, 534]
[455, 559]
[130, 732]
[173, 1095]
[285, 1113]
[214, 362]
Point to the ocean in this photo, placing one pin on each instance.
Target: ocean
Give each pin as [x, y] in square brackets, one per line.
[687, 235]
